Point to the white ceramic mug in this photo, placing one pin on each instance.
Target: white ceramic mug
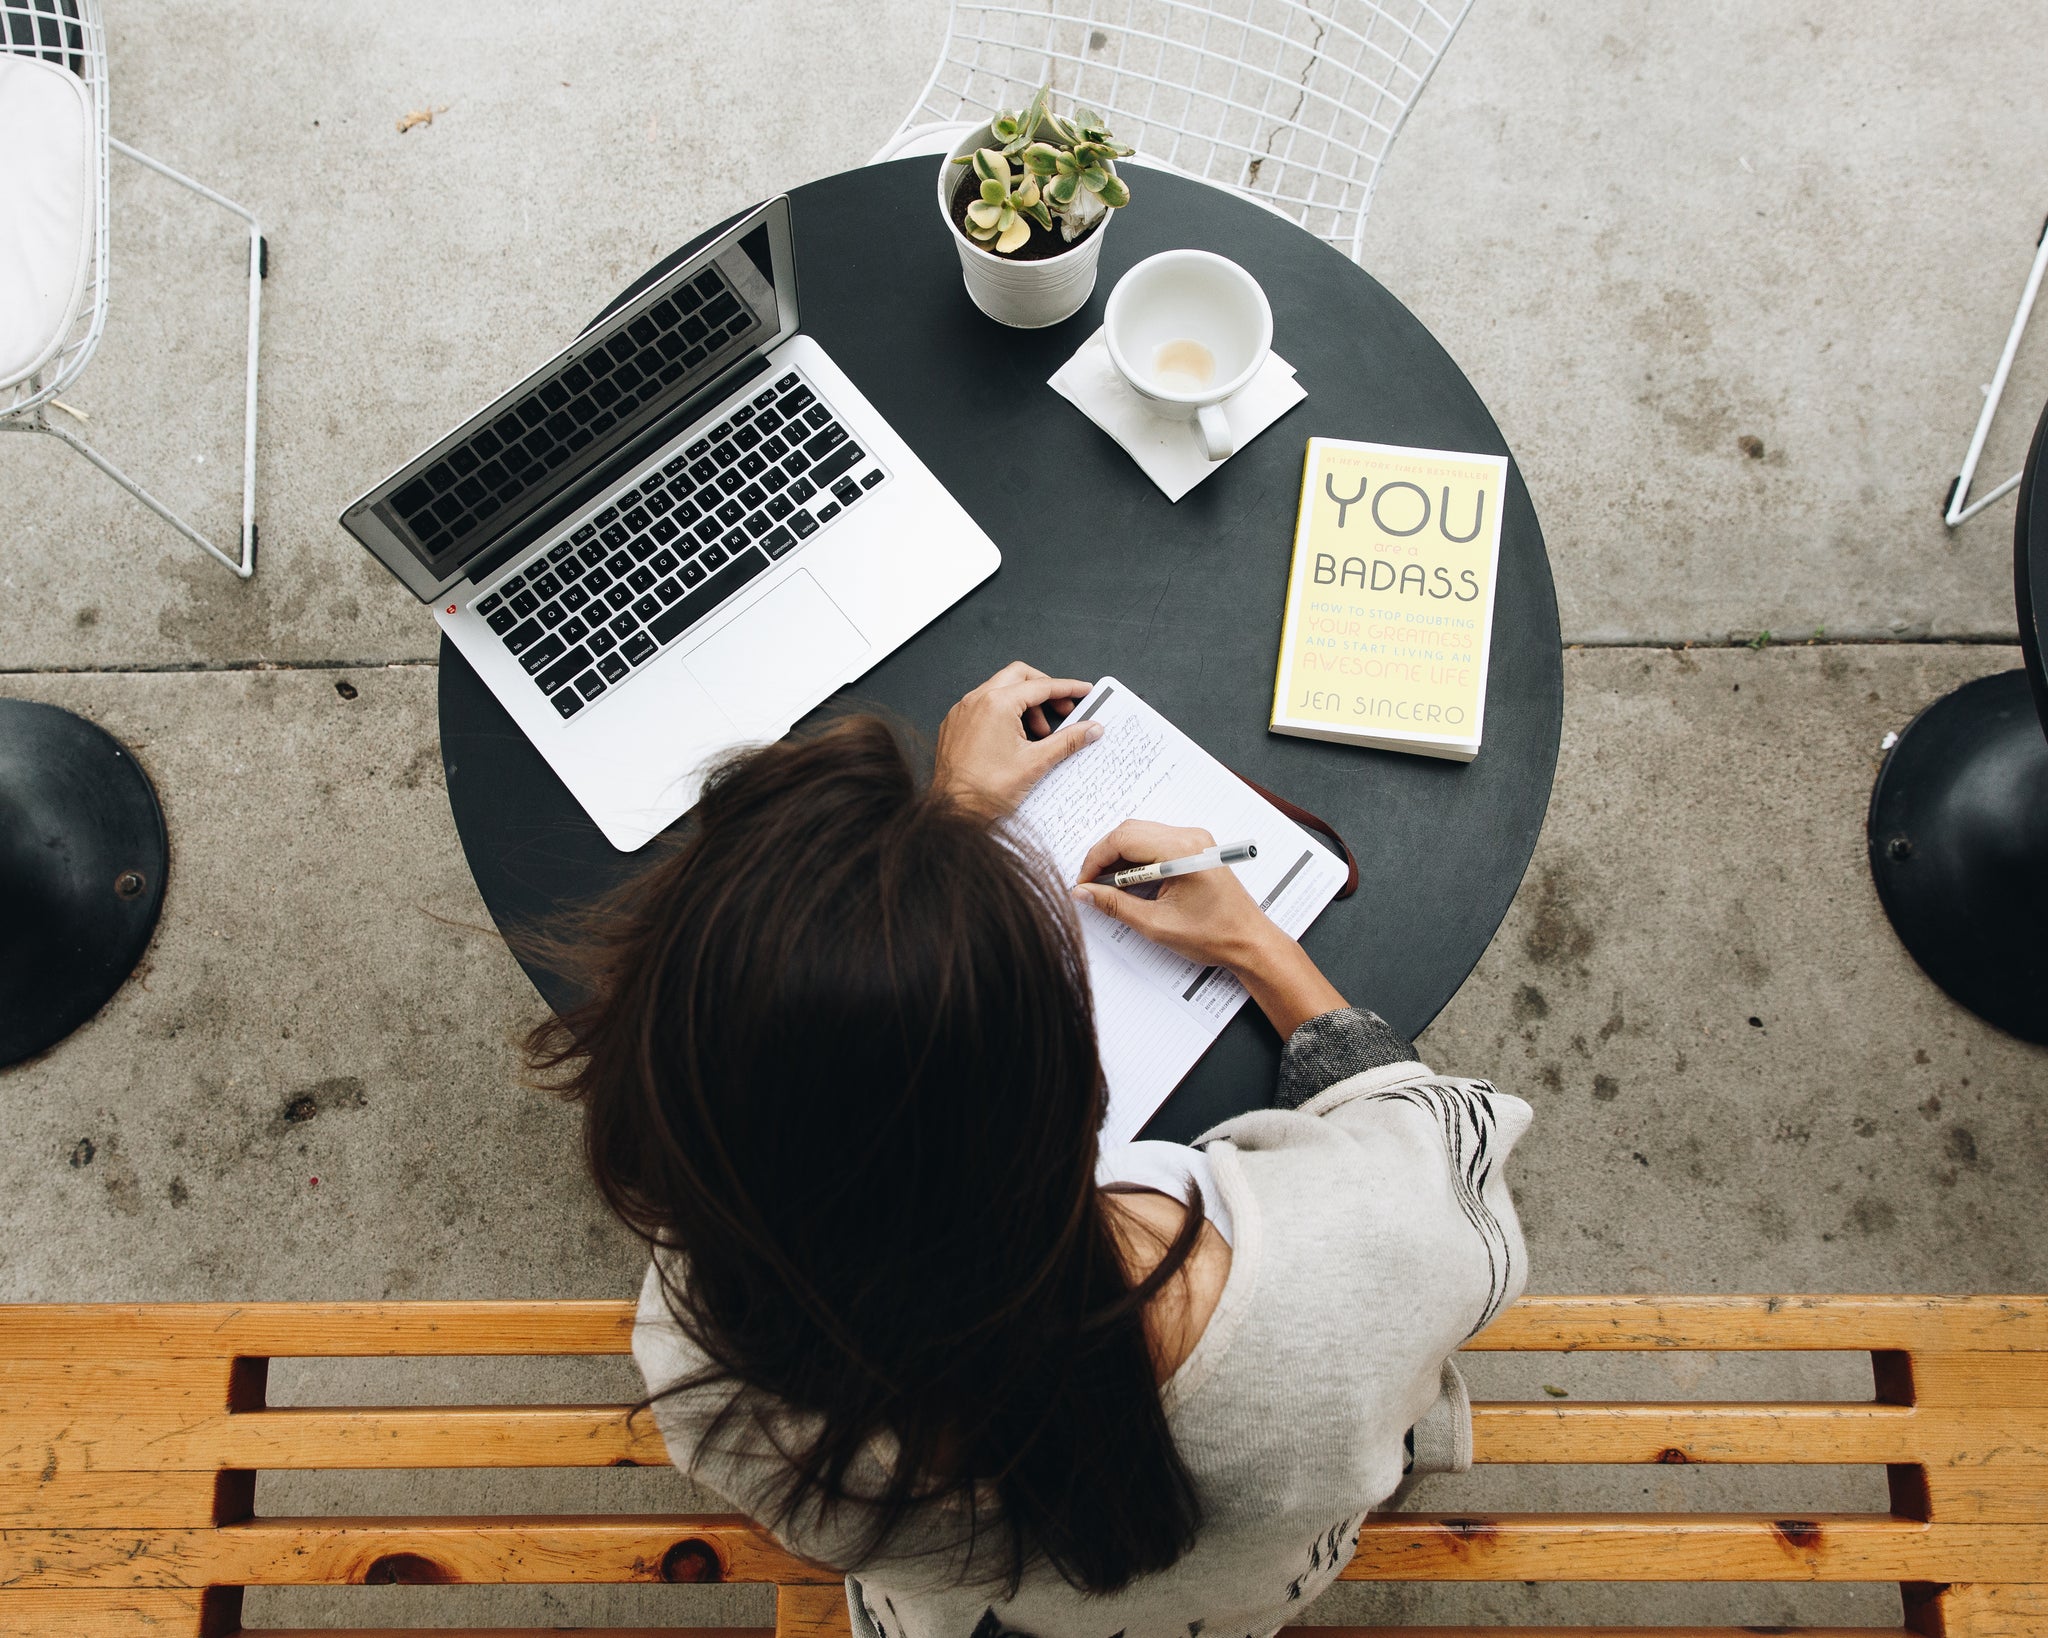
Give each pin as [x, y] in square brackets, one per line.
[1187, 330]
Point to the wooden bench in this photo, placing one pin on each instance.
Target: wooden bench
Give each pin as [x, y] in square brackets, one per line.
[132, 1436]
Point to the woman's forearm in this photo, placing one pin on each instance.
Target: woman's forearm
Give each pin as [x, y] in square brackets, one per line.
[1285, 981]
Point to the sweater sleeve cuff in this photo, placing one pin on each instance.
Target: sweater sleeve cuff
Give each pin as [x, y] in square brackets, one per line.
[1333, 1048]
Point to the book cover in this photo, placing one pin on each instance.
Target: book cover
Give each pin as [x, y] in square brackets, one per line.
[1389, 613]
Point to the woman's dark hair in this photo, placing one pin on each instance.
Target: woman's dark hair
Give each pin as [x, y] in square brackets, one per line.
[840, 1062]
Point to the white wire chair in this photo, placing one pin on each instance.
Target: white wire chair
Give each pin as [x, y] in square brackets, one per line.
[71, 34]
[1959, 507]
[1293, 105]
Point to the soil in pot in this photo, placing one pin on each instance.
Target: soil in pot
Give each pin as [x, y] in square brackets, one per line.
[1040, 247]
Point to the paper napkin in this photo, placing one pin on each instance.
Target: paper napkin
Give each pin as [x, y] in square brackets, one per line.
[1170, 453]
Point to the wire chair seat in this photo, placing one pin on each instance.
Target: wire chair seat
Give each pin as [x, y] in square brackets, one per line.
[1291, 104]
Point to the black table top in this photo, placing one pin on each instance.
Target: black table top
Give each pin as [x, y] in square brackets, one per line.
[2030, 565]
[1105, 576]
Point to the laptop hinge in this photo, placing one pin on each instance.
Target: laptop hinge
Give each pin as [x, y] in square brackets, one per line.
[603, 476]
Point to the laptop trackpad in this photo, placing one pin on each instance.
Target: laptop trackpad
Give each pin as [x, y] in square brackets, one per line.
[780, 658]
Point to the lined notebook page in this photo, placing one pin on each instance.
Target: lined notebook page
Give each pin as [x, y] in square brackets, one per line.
[1155, 1013]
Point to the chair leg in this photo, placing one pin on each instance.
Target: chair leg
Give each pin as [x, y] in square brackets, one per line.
[1959, 508]
[259, 259]
[244, 567]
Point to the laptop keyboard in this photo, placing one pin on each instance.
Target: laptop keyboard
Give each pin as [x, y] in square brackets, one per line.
[664, 550]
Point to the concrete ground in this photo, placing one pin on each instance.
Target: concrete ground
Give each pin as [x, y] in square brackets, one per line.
[1647, 233]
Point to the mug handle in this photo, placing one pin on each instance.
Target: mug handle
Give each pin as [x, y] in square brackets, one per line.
[1217, 438]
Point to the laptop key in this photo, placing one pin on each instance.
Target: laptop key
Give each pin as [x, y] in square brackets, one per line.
[609, 515]
[753, 463]
[502, 620]
[764, 398]
[731, 512]
[697, 450]
[623, 626]
[643, 547]
[747, 437]
[669, 590]
[804, 524]
[574, 598]
[572, 630]
[802, 490]
[553, 615]
[637, 519]
[570, 568]
[734, 542]
[590, 685]
[741, 416]
[708, 531]
[544, 586]
[568, 702]
[664, 530]
[703, 469]
[675, 465]
[679, 617]
[780, 506]
[758, 524]
[560, 550]
[774, 479]
[732, 480]
[484, 605]
[775, 449]
[602, 641]
[715, 559]
[692, 574]
[648, 607]
[663, 562]
[612, 667]
[822, 443]
[828, 511]
[618, 594]
[596, 581]
[512, 584]
[658, 502]
[847, 490]
[786, 382]
[563, 669]
[777, 541]
[524, 602]
[641, 578]
[615, 535]
[725, 454]
[618, 563]
[843, 459]
[869, 480]
[798, 462]
[817, 415]
[523, 637]
[594, 553]
[587, 532]
[545, 652]
[639, 648]
[686, 514]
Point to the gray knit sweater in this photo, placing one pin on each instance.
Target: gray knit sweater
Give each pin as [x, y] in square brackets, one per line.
[1374, 1234]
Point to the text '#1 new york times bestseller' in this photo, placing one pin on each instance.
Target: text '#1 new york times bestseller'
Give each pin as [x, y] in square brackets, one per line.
[1390, 600]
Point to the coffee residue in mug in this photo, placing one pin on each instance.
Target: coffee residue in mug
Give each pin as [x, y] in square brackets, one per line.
[1184, 366]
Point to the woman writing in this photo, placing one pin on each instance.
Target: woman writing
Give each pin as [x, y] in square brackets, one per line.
[840, 1071]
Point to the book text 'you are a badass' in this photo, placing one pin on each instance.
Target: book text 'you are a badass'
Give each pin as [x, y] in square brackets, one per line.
[1390, 600]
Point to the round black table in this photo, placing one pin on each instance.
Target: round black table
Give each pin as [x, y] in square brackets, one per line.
[1958, 826]
[1106, 576]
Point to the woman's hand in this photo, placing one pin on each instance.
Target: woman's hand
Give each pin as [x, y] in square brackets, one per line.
[1005, 736]
[1209, 918]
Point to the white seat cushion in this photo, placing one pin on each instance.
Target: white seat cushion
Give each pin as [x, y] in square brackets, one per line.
[47, 210]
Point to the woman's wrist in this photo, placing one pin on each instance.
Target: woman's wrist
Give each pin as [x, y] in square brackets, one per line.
[1284, 980]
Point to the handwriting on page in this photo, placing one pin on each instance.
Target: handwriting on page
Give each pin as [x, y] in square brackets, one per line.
[1089, 795]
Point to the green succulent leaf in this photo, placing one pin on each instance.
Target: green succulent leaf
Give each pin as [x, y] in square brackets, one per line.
[983, 214]
[1094, 179]
[994, 192]
[1039, 214]
[991, 166]
[1005, 126]
[1113, 192]
[1013, 236]
[1041, 159]
[1027, 193]
[1062, 188]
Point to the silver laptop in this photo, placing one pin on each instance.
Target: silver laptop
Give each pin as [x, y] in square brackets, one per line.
[677, 536]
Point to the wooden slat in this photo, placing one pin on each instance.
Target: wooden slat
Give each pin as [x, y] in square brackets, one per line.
[812, 1612]
[1979, 1380]
[1692, 1547]
[135, 1501]
[1986, 1612]
[172, 1612]
[380, 1436]
[567, 1632]
[284, 1330]
[1965, 1495]
[1626, 1431]
[604, 1548]
[100, 1385]
[1655, 1324]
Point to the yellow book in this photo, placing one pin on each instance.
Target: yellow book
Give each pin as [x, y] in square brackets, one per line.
[1390, 601]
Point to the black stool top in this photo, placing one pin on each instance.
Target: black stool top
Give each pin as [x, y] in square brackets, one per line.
[1101, 574]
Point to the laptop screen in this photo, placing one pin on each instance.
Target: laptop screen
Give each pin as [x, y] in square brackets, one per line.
[607, 388]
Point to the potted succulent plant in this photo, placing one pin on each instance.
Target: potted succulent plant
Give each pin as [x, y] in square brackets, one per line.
[1027, 197]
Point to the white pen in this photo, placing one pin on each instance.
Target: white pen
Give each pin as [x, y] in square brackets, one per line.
[1212, 858]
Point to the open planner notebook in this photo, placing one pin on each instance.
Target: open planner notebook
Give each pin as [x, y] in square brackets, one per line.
[1155, 1013]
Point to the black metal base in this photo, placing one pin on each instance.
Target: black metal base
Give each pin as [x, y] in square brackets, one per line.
[1959, 849]
[82, 861]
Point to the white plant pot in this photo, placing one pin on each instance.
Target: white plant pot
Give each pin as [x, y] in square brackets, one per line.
[1025, 295]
